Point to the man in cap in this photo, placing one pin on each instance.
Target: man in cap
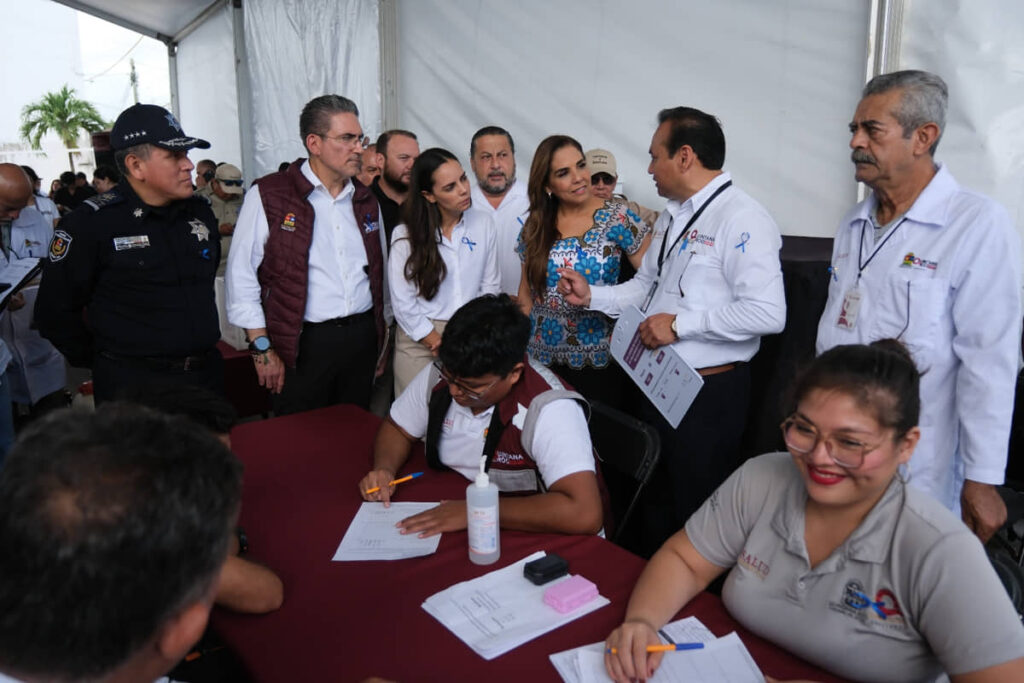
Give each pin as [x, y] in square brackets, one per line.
[492, 156]
[226, 193]
[604, 176]
[128, 288]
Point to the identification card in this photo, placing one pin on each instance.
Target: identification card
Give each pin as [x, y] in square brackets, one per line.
[851, 308]
[133, 242]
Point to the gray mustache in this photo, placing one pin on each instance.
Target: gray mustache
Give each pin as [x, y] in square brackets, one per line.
[862, 157]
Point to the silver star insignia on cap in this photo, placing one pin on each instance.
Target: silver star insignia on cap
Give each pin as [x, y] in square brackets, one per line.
[137, 213]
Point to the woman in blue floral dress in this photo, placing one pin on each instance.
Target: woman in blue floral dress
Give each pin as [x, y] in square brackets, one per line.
[568, 227]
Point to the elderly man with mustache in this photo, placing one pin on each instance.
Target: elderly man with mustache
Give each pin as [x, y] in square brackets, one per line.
[936, 266]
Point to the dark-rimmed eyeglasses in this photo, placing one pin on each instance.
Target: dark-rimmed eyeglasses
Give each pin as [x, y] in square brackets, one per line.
[471, 394]
[802, 437]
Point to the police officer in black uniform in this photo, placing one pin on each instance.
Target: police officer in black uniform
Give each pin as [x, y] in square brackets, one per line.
[129, 286]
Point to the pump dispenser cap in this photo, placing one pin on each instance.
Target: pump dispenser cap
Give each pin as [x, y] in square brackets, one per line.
[482, 480]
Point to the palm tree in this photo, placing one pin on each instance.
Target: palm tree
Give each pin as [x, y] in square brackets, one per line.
[62, 113]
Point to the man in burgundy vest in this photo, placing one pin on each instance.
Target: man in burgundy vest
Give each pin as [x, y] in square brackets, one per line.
[486, 399]
[305, 276]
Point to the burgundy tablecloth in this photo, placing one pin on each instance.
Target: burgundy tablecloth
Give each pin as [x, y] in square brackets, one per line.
[342, 621]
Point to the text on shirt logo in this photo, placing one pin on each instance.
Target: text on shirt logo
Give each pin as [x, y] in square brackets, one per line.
[911, 261]
[754, 564]
[505, 458]
[881, 610]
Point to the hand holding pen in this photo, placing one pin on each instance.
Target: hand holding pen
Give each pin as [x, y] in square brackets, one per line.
[373, 486]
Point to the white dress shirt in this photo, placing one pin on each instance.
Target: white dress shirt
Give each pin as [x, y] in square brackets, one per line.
[722, 281]
[338, 286]
[508, 222]
[470, 257]
[946, 282]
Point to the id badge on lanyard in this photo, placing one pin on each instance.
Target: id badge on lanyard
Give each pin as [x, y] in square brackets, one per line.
[850, 310]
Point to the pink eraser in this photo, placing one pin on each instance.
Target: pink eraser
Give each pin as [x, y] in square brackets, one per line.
[565, 596]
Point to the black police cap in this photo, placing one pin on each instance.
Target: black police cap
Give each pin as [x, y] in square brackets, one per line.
[142, 124]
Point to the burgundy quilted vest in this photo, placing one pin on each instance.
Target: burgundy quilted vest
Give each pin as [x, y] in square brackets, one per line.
[283, 275]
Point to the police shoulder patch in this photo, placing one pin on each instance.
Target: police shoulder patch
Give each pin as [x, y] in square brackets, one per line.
[106, 199]
[60, 245]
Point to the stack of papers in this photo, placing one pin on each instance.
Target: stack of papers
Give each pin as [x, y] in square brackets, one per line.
[372, 535]
[500, 611]
[724, 660]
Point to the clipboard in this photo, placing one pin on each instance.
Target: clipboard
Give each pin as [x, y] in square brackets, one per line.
[16, 274]
[663, 376]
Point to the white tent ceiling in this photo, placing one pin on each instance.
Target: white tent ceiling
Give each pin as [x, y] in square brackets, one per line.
[165, 21]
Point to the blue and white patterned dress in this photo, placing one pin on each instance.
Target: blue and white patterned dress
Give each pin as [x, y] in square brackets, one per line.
[563, 334]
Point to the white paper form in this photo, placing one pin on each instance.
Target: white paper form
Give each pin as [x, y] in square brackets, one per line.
[500, 611]
[15, 274]
[686, 630]
[725, 660]
[662, 374]
[372, 535]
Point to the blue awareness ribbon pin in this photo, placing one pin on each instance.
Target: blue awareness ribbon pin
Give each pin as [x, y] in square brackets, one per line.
[468, 242]
[744, 238]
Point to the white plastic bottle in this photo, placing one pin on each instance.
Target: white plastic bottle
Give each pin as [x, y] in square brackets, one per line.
[482, 519]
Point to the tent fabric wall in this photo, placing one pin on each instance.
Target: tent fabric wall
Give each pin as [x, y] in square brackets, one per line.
[207, 92]
[783, 77]
[977, 49]
[298, 51]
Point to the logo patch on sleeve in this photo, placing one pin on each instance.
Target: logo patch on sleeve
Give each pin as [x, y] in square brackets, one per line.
[60, 245]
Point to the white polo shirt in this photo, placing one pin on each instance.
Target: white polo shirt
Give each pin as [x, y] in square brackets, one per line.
[470, 257]
[722, 281]
[908, 595]
[561, 443]
[946, 282]
[508, 222]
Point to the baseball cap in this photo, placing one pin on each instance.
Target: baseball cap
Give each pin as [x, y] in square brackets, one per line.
[230, 178]
[142, 124]
[601, 161]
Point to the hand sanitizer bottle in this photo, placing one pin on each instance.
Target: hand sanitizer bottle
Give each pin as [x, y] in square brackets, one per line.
[482, 518]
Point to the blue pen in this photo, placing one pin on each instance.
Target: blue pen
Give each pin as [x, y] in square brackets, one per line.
[671, 647]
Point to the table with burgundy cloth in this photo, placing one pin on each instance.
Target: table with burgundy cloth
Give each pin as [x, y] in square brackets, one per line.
[343, 621]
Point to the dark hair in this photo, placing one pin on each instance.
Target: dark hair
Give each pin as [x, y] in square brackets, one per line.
[880, 377]
[422, 221]
[67, 178]
[199, 404]
[385, 137]
[110, 522]
[701, 131]
[30, 172]
[490, 130]
[107, 173]
[316, 115]
[141, 151]
[81, 176]
[206, 162]
[540, 230]
[487, 335]
[283, 166]
[923, 99]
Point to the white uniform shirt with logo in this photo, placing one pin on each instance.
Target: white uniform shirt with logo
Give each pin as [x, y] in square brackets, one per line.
[945, 282]
[722, 281]
[338, 286]
[508, 222]
[470, 257]
[561, 444]
[908, 595]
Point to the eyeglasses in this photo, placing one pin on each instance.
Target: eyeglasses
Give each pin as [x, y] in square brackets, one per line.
[347, 139]
[802, 437]
[471, 394]
[602, 179]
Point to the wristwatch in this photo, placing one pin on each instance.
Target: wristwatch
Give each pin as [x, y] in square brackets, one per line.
[675, 330]
[260, 344]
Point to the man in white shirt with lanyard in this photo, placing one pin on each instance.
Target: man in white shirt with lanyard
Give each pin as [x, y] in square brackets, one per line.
[936, 266]
[497, 193]
[711, 285]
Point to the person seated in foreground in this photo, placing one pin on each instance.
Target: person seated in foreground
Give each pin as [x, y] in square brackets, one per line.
[114, 526]
[243, 585]
[485, 385]
[831, 555]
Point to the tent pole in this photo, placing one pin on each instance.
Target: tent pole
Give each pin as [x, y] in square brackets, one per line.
[243, 90]
[388, 38]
